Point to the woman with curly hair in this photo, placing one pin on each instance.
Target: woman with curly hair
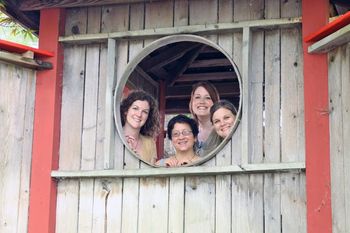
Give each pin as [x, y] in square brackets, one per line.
[140, 121]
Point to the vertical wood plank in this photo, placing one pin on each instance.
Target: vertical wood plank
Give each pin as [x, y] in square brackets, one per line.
[256, 98]
[88, 147]
[176, 204]
[13, 110]
[247, 190]
[246, 75]
[256, 124]
[199, 205]
[223, 158]
[22, 224]
[137, 12]
[236, 139]
[293, 200]
[177, 184]
[204, 12]
[71, 123]
[272, 182]
[346, 132]
[242, 56]
[337, 143]
[181, 13]
[112, 191]
[153, 205]
[272, 86]
[292, 122]
[291, 96]
[130, 206]
[114, 18]
[109, 157]
[153, 198]
[199, 217]
[101, 105]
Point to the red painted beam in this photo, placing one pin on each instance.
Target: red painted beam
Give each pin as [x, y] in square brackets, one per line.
[42, 202]
[328, 29]
[317, 141]
[19, 48]
[161, 136]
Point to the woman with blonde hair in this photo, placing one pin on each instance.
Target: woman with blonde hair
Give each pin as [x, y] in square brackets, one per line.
[223, 116]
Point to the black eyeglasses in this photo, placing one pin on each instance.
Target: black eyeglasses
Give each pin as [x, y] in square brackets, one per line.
[184, 133]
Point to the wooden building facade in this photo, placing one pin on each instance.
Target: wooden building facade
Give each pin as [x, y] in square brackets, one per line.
[274, 174]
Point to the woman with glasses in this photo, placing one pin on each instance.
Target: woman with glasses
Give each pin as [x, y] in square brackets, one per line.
[140, 121]
[183, 132]
[203, 96]
[223, 116]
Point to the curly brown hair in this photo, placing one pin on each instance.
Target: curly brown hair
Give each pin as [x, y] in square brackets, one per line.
[151, 126]
[211, 89]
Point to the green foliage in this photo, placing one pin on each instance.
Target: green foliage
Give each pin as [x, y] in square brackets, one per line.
[10, 26]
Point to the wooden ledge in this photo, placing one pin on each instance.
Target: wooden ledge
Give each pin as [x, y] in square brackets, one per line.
[23, 60]
[182, 171]
[332, 41]
[191, 29]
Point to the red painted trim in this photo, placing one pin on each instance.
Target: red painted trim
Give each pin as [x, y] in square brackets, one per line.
[333, 26]
[42, 202]
[161, 136]
[19, 48]
[317, 141]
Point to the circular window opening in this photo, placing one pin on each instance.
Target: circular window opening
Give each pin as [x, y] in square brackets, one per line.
[167, 70]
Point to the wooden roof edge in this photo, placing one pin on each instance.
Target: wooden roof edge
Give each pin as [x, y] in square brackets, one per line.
[330, 28]
[29, 5]
[26, 19]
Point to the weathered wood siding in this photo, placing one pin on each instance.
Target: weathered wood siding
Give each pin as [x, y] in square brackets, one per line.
[339, 106]
[265, 202]
[17, 94]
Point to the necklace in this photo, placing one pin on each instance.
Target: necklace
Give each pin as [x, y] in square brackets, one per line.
[186, 162]
[132, 142]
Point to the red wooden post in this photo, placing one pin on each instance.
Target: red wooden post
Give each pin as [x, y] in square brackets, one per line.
[317, 144]
[42, 202]
[162, 101]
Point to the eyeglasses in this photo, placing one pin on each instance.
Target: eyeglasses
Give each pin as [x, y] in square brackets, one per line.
[184, 133]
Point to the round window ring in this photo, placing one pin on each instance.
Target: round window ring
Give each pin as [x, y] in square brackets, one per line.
[145, 52]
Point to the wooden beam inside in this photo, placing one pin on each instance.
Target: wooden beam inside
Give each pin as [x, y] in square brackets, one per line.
[206, 76]
[167, 57]
[184, 64]
[219, 62]
[184, 91]
[149, 79]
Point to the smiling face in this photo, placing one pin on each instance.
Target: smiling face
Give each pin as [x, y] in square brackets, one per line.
[182, 137]
[223, 120]
[137, 114]
[201, 102]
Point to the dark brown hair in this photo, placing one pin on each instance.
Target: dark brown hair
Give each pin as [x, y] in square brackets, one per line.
[151, 126]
